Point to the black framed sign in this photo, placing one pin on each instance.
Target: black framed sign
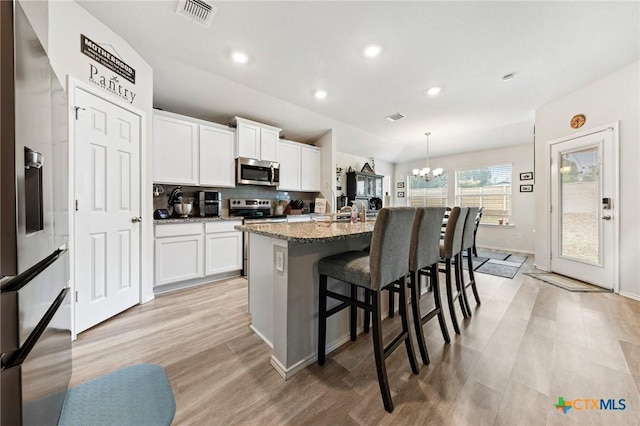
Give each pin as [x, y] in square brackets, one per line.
[526, 188]
[400, 185]
[526, 176]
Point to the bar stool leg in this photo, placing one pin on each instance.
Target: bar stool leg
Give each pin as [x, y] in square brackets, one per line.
[353, 311]
[408, 341]
[452, 308]
[472, 276]
[392, 303]
[434, 281]
[322, 319]
[378, 351]
[460, 285]
[417, 317]
[367, 314]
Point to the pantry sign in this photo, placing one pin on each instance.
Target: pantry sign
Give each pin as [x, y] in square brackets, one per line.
[117, 81]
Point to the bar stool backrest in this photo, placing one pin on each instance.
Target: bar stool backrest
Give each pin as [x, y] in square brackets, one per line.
[390, 245]
[425, 238]
[453, 234]
[469, 225]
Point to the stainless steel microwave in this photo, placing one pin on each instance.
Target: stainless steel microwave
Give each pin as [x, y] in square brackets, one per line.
[255, 172]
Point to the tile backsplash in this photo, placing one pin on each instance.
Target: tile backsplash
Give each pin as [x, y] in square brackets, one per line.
[241, 191]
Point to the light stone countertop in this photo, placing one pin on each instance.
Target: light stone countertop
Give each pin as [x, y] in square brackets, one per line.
[194, 219]
[310, 232]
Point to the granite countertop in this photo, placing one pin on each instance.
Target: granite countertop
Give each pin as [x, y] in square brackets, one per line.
[310, 232]
[195, 219]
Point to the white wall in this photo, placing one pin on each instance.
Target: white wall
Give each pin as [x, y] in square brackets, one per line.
[613, 98]
[60, 26]
[522, 222]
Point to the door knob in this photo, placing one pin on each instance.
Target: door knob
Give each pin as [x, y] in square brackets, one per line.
[606, 217]
[136, 219]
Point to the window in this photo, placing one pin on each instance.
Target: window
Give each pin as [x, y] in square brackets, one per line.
[428, 194]
[488, 187]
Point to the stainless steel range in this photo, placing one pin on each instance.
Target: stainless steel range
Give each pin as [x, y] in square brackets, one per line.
[252, 211]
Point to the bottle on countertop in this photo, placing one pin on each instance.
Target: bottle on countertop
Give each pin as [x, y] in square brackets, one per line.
[354, 215]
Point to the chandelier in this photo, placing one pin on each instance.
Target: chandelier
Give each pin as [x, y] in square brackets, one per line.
[426, 173]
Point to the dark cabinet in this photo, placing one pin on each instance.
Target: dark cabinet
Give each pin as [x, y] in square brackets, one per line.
[363, 186]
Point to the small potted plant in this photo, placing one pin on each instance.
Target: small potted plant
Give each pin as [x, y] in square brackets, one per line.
[296, 206]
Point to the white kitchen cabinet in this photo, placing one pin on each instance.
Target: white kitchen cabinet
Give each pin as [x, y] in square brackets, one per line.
[175, 150]
[300, 167]
[256, 140]
[310, 168]
[217, 148]
[223, 249]
[289, 159]
[179, 253]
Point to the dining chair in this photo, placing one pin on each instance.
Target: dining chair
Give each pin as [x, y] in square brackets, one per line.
[475, 229]
[384, 264]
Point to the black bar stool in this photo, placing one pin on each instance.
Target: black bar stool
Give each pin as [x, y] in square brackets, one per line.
[475, 229]
[450, 248]
[385, 264]
[467, 245]
[424, 255]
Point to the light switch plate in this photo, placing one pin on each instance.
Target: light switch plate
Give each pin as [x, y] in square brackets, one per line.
[280, 261]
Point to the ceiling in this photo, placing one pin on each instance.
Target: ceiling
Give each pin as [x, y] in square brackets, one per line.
[295, 48]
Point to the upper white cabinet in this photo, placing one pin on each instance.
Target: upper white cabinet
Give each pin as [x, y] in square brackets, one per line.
[217, 149]
[289, 159]
[256, 140]
[310, 168]
[187, 151]
[175, 151]
[300, 167]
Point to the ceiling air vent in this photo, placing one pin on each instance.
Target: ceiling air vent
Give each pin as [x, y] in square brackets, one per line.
[395, 117]
[197, 10]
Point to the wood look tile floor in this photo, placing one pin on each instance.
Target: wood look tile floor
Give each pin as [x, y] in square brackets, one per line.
[526, 345]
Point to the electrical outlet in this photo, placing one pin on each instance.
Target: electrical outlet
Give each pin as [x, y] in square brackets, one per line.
[518, 235]
[280, 261]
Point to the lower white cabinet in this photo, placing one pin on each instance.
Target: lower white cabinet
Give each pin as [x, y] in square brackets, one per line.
[188, 251]
[179, 258]
[223, 248]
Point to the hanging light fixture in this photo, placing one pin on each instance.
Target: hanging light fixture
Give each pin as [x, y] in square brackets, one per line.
[426, 173]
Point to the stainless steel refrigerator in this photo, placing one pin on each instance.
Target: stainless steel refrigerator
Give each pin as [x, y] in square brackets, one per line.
[35, 307]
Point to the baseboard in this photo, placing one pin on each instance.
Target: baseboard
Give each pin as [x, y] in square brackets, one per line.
[629, 295]
[506, 249]
[288, 373]
[542, 268]
[180, 285]
[260, 335]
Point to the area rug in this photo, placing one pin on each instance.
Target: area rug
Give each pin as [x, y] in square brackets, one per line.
[137, 395]
[496, 263]
[567, 283]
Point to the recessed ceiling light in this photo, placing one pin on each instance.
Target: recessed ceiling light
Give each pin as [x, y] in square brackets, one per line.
[320, 94]
[240, 57]
[508, 77]
[433, 91]
[372, 50]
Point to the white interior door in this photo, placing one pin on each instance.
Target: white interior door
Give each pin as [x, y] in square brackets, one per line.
[584, 208]
[107, 193]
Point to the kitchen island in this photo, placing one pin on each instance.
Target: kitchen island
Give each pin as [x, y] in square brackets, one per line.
[283, 286]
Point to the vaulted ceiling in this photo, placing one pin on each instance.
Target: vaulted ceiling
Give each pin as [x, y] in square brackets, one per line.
[465, 48]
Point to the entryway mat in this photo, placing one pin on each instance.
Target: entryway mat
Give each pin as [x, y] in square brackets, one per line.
[136, 395]
[497, 263]
[566, 283]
